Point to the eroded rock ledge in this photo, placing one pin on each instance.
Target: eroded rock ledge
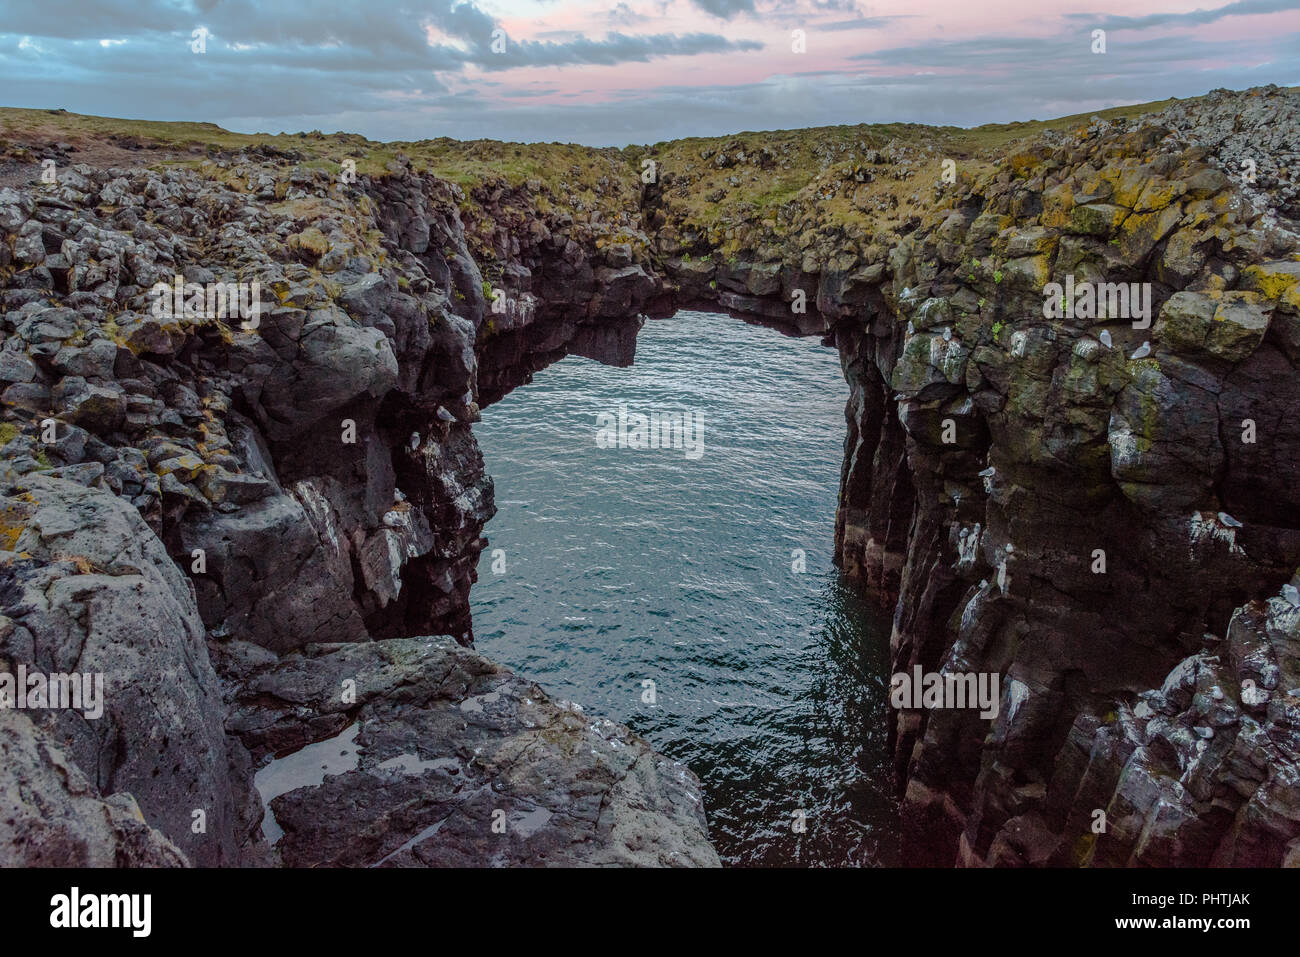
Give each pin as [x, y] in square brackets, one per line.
[1159, 692]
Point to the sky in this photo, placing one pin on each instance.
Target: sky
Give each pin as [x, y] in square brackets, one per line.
[614, 72]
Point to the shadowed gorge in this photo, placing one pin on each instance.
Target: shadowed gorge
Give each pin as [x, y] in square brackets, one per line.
[268, 520]
[705, 573]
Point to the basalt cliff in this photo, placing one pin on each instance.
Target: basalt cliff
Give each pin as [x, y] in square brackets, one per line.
[250, 525]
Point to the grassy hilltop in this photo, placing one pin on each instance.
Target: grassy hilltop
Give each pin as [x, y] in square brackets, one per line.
[778, 166]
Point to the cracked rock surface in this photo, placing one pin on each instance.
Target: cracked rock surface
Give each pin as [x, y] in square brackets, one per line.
[449, 759]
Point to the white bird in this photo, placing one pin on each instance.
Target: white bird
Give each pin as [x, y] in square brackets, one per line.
[415, 441]
[1228, 520]
[988, 472]
[1143, 351]
[947, 334]
[1291, 594]
[445, 415]
[910, 330]
[468, 397]
[1105, 339]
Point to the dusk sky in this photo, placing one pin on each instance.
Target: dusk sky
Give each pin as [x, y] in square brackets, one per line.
[638, 71]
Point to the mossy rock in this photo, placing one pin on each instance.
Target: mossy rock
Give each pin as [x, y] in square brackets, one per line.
[185, 467]
[1058, 200]
[1029, 272]
[311, 242]
[1240, 322]
[1139, 233]
[1276, 281]
[1159, 194]
[1096, 219]
[1184, 321]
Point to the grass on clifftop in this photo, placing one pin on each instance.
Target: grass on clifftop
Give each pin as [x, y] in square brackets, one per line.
[727, 191]
[470, 162]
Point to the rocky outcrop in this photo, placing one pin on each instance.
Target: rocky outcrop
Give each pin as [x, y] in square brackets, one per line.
[51, 816]
[88, 590]
[437, 757]
[193, 497]
[1199, 772]
[1105, 496]
[1099, 510]
[1073, 499]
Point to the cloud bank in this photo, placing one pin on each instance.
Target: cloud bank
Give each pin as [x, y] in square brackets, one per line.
[637, 71]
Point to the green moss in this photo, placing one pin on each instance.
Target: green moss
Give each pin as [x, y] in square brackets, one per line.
[1084, 847]
[11, 528]
[1148, 424]
[1273, 285]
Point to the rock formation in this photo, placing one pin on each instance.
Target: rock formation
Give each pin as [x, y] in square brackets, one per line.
[252, 518]
[235, 519]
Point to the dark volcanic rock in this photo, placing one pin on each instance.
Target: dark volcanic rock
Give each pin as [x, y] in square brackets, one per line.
[311, 471]
[437, 757]
[89, 589]
[51, 816]
[1098, 512]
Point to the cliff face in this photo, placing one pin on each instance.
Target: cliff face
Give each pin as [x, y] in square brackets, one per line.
[1097, 508]
[298, 498]
[240, 520]
[1105, 498]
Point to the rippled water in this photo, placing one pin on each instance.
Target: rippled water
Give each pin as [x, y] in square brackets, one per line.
[630, 565]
